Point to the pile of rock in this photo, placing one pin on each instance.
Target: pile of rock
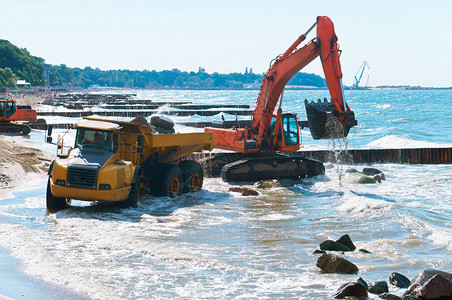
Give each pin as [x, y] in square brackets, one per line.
[158, 124]
[429, 284]
[332, 263]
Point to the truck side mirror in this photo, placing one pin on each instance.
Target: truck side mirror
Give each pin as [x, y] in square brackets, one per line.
[140, 140]
[49, 134]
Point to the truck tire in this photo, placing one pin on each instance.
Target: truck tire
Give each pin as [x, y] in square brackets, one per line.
[134, 195]
[172, 181]
[192, 174]
[55, 203]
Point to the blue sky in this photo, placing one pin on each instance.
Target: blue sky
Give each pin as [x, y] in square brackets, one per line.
[404, 42]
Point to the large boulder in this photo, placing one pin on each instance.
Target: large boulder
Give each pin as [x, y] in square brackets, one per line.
[399, 280]
[140, 120]
[355, 288]
[436, 287]
[333, 246]
[332, 263]
[346, 241]
[378, 287]
[371, 171]
[429, 283]
[162, 122]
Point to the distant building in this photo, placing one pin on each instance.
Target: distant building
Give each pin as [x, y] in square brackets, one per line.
[23, 83]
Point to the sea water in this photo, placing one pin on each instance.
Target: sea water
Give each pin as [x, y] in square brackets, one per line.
[217, 244]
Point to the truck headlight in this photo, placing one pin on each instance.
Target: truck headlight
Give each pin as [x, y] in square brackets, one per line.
[104, 187]
[60, 182]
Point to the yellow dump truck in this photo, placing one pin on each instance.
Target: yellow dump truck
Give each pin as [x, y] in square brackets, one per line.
[112, 160]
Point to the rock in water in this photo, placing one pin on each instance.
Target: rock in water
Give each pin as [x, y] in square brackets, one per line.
[331, 263]
[366, 179]
[377, 178]
[423, 278]
[389, 296]
[267, 184]
[378, 287]
[436, 287]
[333, 246]
[244, 190]
[346, 241]
[355, 288]
[399, 280]
[286, 182]
[371, 171]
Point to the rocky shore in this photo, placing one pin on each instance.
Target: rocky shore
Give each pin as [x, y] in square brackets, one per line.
[429, 284]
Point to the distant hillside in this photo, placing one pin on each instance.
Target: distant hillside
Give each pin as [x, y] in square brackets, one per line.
[16, 63]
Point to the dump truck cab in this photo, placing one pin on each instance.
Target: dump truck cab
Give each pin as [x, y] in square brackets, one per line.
[94, 169]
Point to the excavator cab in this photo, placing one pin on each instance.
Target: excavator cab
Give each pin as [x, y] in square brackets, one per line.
[7, 109]
[287, 136]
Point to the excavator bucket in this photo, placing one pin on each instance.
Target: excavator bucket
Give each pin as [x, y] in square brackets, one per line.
[326, 122]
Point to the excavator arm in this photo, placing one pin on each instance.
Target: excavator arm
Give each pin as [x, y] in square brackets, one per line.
[289, 64]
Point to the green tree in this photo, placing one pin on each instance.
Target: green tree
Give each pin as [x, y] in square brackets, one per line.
[22, 64]
[7, 78]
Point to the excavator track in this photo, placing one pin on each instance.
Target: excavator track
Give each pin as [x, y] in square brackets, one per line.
[273, 167]
[16, 128]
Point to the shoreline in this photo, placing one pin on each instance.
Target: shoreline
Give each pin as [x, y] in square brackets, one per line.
[22, 168]
[16, 284]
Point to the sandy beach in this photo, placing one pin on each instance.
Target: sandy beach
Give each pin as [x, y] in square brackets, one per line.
[19, 163]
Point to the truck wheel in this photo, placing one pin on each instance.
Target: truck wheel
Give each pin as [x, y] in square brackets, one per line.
[193, 175]
[55, 203]
[134, 194]
[172, 181]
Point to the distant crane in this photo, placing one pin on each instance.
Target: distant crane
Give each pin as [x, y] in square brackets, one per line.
[360, 72]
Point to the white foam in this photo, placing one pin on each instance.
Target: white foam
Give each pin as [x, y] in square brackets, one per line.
[393, 141]
[357, 206]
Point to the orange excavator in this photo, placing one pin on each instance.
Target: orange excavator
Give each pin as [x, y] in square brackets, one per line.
[10, 114]
[268, 133]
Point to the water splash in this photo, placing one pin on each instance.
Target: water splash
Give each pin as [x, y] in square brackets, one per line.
[338, 146]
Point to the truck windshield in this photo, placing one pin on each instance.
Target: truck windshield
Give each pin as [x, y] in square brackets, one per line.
[93, 138]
